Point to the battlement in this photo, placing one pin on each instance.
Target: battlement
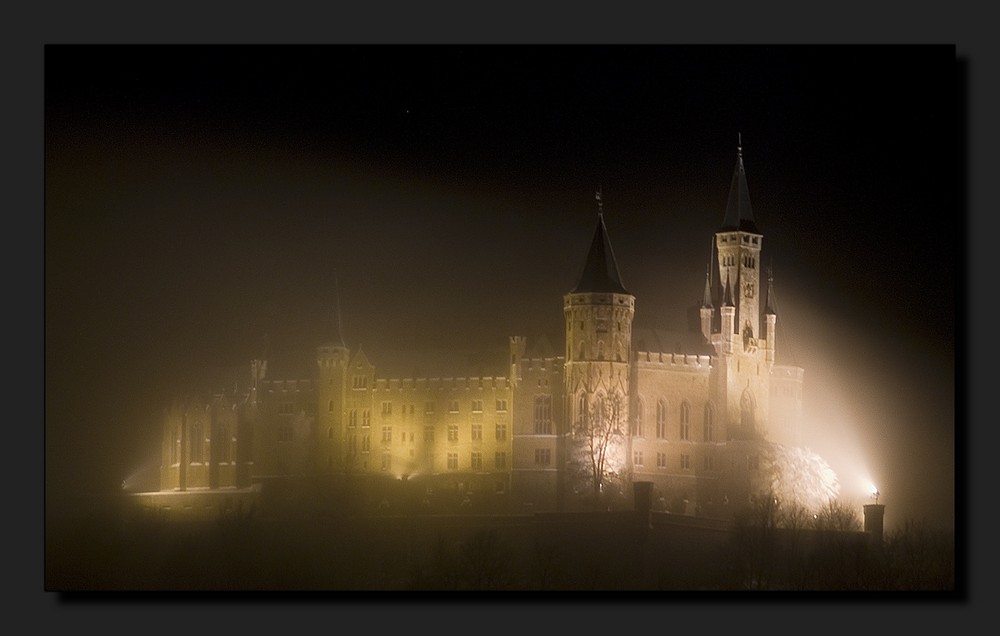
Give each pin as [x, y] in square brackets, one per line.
[656, 359]
[288, 385]
[441, 384]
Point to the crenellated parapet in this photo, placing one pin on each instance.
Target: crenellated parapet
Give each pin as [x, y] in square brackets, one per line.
[656, 359]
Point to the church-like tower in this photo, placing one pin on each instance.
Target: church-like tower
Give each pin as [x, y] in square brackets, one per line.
[746, 355]
[333, 448]
[598, 316]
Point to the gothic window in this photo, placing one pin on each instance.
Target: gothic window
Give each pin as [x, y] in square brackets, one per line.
[685, 421]
[637, 431]
[661, 419]
[543, 415]
[581, 409]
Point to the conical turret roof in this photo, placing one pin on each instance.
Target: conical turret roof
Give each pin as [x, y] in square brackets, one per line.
[600, 271]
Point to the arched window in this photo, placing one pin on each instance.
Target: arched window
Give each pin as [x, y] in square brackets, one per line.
[637, 430]
[581, 409]
[709, 423]
[685, 421]
[661, 419]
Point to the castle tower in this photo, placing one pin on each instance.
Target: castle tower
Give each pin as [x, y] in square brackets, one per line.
[332, 361]
[598, 313]
[738, 244]
[746, 357]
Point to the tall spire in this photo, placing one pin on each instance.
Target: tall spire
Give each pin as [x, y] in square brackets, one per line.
[769, 304]
[727, 301]
[600, 271]
[706, 298]
[739, 215]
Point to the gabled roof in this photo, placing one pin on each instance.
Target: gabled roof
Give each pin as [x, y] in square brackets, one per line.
[739, 215]
[600, 271]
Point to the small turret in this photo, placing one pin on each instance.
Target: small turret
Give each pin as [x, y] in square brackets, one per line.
[706, 309]
[728, 312]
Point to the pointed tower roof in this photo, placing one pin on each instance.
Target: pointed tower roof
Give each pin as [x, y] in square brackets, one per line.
[769, 304]
[739, 215]
[600, 271]
[727, 301]
[706, 298]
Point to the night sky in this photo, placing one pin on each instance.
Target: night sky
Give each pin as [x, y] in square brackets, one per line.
[198, 198]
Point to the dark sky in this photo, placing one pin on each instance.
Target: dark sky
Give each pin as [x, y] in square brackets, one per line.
[197, 198]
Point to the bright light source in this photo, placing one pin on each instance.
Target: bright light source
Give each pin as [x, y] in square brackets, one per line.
[875, 493]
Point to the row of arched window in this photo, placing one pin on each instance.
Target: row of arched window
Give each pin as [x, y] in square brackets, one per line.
[684, 432]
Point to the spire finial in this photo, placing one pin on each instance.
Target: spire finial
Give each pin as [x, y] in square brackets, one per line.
[739, 145]
[600, 204]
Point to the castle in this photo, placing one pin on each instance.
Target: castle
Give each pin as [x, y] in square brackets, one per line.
[548, 431]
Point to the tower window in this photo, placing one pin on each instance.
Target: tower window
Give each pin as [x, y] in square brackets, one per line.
[543, 415]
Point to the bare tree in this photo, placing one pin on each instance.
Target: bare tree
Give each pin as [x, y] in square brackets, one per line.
[599, 443]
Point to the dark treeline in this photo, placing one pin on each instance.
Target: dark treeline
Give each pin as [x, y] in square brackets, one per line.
[315, 549]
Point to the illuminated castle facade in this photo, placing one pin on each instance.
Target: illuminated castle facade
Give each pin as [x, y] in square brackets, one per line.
[682, 411]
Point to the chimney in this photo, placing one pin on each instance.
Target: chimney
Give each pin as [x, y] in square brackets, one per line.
[874, 514]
